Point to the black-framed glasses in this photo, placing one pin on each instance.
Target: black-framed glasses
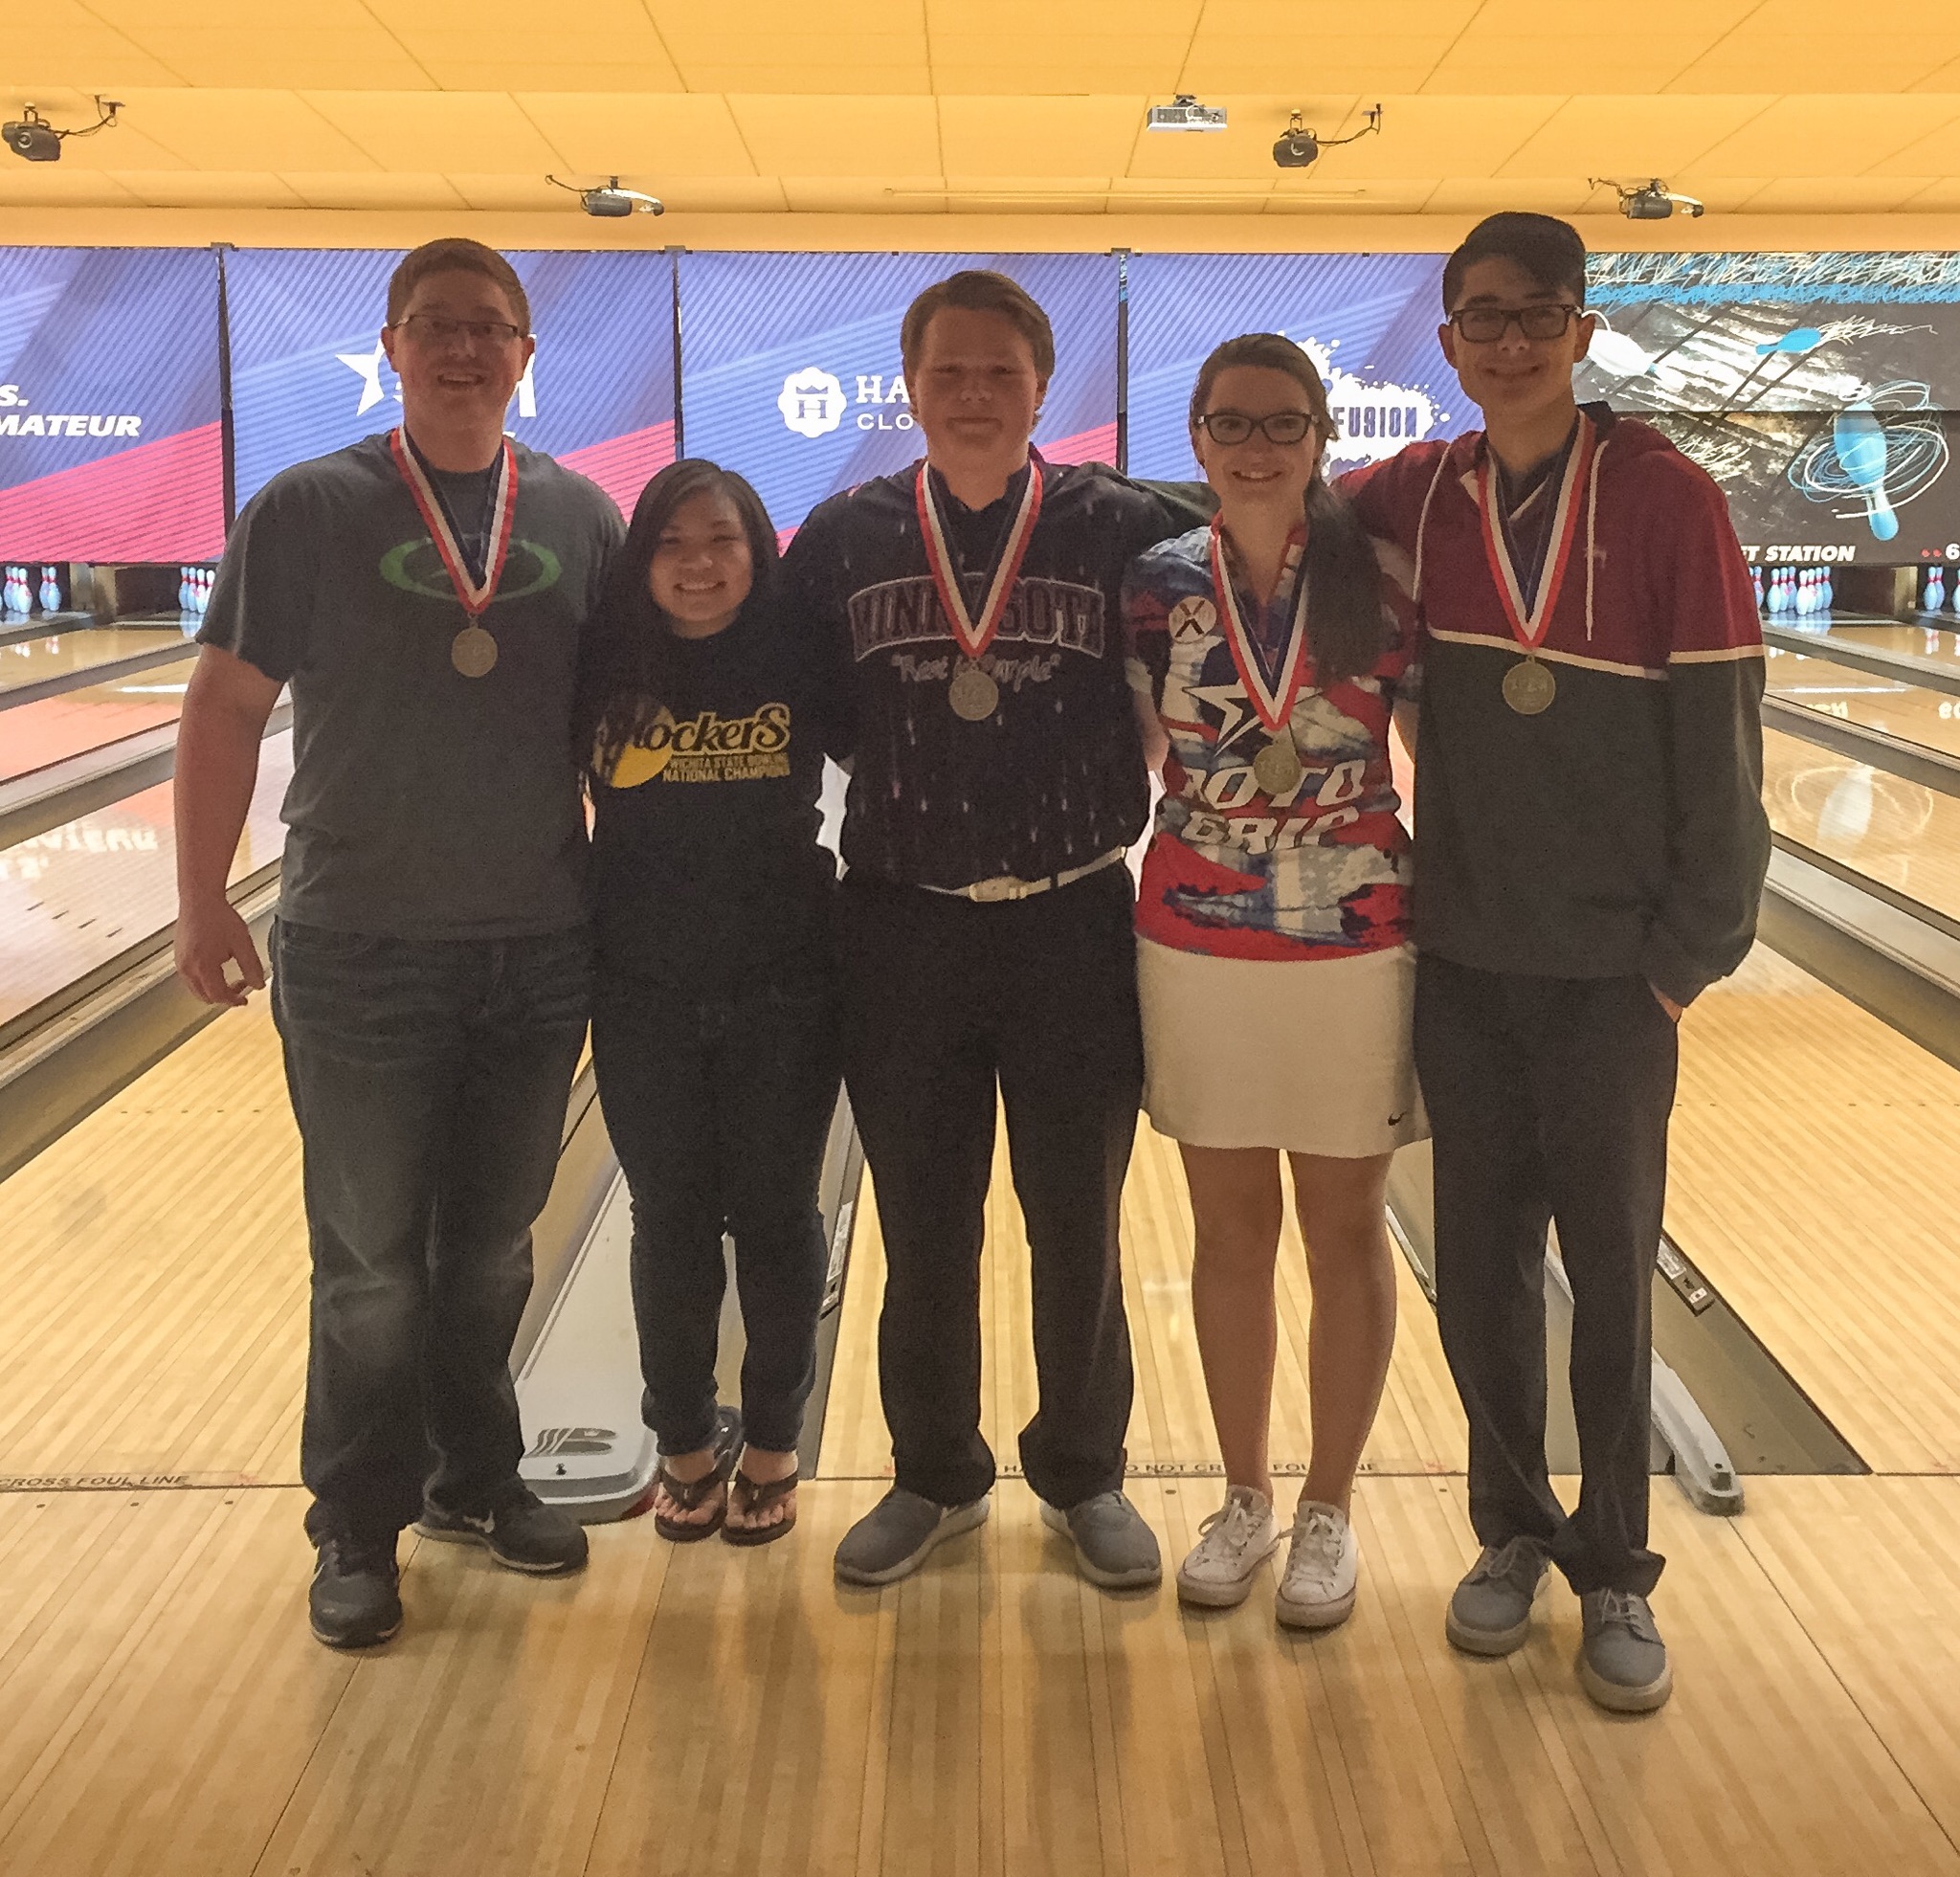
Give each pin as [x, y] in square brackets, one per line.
[1275, 426]
[1541, 320]
[440, 329]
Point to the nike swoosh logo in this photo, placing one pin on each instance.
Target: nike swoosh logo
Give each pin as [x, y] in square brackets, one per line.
[1395, 1120]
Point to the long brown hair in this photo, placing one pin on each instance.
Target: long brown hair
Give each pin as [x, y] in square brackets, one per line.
[1344, 626]
[626, 661]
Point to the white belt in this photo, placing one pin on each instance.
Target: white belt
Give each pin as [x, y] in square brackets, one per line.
[1005, 886]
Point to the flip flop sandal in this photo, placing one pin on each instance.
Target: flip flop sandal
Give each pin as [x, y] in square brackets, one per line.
[751, 1498]
[687, 1494]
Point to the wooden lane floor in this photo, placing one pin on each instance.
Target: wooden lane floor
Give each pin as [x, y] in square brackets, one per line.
[691, 1711]
[74, 898]
[1895, 706]
[1815, 1156]
[1900, 834]
[1418, 1431]
[34, 660]
[72, 724]
[153, 1266]
[1931, 636]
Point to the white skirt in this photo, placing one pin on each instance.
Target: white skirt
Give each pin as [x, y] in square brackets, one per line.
[1312, 1056]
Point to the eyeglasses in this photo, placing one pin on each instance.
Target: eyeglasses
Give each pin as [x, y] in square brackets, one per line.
[1276, 426]
[1482, 326]
[438, 329]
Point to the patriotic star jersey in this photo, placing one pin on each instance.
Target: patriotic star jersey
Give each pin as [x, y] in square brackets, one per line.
[1319, 871]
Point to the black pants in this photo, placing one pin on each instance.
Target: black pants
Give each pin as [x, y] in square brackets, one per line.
[428, 1079]
[718, 1108]
[1550, 1100]
[943, 999]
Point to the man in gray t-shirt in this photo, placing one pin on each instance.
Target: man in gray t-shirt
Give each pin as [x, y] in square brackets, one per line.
[422, 593]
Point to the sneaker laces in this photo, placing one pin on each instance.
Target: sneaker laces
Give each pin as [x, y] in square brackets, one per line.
[1628, 1610]
[1317, 1539]
[354, 1557]
[1234, 1521]
[1515, 1561]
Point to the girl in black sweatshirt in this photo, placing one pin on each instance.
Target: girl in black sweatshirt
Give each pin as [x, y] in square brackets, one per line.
[714, 1033]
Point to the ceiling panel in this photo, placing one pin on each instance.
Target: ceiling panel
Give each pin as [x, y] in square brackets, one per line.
[1598, 135]
[230, 129]
[799, 136]
[371, 189]
[478, 131]
[903, 105]
[1039, 136]
[656, 139]
[1793, 138]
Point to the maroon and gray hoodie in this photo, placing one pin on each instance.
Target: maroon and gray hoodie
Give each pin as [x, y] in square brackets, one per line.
[1622, 830]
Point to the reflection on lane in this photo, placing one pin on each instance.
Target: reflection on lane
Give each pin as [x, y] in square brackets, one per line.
[53, 730]
[74, 898]
[1941, 644]
[1897, 706]
[36, 660]
[1900, 834]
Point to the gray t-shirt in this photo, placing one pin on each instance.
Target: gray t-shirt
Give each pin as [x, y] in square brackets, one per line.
[423, 804]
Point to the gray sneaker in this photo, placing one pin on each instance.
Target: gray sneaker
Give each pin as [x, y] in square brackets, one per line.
[1490, 1614]
[897, 1535]
[1115, 1550]
[1622, 1661]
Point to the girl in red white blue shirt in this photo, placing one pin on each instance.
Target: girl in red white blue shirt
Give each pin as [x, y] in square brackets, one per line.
[1269, 655]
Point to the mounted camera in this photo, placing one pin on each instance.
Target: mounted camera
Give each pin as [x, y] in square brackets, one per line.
[609, 202]
[1651, 201]
[1300, 149]
[32, 137]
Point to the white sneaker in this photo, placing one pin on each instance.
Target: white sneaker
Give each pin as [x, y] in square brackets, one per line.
[1232, 1543]
[1317, 1590]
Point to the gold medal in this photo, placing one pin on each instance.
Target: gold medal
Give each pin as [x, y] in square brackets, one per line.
[1530, 687]
[974, 694]
[472, 652]
[1277, 768]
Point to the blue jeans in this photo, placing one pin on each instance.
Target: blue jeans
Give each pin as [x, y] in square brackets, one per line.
[718, 1108]
[429, 1077]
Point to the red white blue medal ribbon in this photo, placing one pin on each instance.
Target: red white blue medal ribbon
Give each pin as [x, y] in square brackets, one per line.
[1272, 704]
[974, 637]
[1528, 626]
[474, 594]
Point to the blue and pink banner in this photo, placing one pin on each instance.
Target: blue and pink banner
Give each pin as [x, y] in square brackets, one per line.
[1368, 322]
[110, 440]
[308, 374]
[791, 368]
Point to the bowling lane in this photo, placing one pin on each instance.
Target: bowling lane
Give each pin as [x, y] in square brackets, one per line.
[1816, 1156]
[1900, 834]
[36, 660]
[53, 730]
[1896, 706]
[1926, 639]
[73, 898]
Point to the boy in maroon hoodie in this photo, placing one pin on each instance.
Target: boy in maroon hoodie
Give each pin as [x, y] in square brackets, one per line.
[1591, 846]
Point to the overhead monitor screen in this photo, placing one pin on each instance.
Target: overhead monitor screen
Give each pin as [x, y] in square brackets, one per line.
[791, 368]
[309, 376]
[110, 436]
[1368, 322]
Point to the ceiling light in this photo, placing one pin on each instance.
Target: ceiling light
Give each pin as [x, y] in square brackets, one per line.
[1651, 201]
[1185, 113]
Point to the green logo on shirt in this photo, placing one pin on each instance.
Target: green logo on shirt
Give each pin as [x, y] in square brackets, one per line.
[416, 567]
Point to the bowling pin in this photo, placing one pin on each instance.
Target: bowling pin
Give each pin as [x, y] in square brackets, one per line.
[1827, 591]
[1756, 582]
